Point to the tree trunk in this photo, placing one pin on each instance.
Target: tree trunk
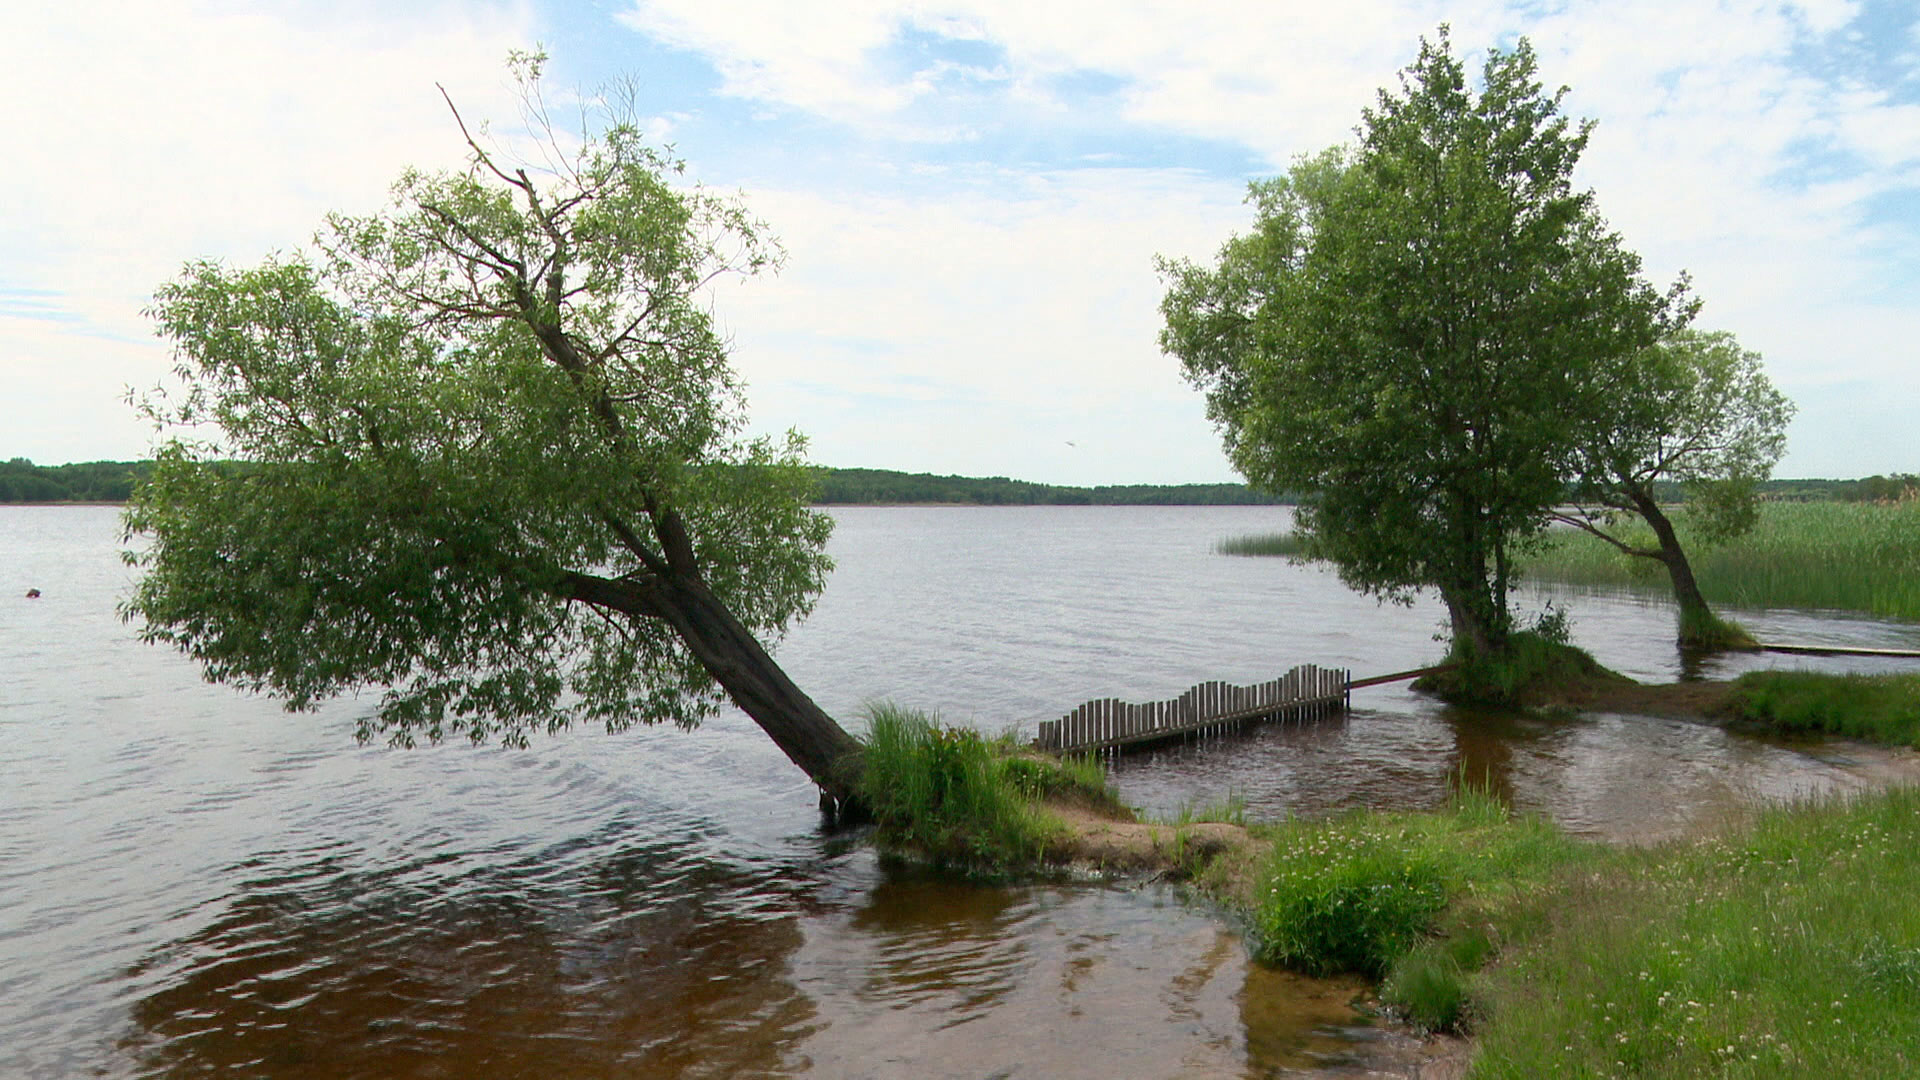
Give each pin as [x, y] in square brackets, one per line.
[730, 653]
[1467, 626]
[1694, 612]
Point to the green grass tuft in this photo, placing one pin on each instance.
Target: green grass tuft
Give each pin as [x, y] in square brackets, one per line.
[1429, 988]
[1531, 666]
[1705, 630]
[963, 800]
[1358, 893]
[1231, 810]
[1877, 708]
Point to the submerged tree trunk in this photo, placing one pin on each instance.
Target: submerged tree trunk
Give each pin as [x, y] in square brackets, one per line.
[730, 653]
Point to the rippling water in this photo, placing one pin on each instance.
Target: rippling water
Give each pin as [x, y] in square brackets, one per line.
[195, 883]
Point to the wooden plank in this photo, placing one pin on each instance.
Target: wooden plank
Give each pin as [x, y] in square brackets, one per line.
[1836, 650]
[1355, 684]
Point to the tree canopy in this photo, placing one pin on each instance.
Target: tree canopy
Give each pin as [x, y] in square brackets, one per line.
[484, 450]
[1413, 328]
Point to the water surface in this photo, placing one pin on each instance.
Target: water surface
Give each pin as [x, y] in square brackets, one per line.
[194, 883]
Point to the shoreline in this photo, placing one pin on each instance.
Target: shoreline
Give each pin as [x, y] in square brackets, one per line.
[1220, 862]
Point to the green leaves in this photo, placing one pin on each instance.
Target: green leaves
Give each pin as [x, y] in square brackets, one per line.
[386, 463]
[1411, 329]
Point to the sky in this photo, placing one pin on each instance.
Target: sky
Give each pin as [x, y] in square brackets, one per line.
[971, 194]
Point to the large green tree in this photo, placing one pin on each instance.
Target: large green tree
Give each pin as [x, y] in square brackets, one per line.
[1696, 409]
[484, 449]
[1411, 328]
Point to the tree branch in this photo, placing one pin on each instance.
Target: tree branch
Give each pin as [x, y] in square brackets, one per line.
[479, 155]
[1586, 526]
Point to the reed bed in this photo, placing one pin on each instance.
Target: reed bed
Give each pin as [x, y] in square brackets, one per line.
[1286, 543]
[1843, 556]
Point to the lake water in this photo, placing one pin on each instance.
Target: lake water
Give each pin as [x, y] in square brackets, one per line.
[194, 883]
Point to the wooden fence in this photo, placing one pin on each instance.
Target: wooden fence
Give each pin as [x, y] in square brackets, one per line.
[1209, 708]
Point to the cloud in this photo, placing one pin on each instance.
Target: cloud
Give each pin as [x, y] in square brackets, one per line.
[164, 132]
[1723, 148]
[982, 332]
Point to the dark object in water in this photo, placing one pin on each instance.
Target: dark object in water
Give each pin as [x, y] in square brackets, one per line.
[33, 594]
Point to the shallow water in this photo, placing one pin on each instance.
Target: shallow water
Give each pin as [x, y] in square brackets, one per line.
[195, 883]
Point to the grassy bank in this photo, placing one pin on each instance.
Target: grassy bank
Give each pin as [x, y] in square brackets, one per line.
[1845, 556]
[1417, 899]
[1784, 946]
[1877, 708]
[1787, 948]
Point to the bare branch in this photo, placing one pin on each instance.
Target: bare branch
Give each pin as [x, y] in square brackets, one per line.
[480, 155]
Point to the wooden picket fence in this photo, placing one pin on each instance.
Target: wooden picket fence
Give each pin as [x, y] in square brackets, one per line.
[1207, 709]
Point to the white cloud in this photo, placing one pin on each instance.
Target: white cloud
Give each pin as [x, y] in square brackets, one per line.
[983, 333]
[1715, 152]
[162, 132]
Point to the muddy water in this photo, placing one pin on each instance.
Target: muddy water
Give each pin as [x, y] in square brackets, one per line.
[193, 883]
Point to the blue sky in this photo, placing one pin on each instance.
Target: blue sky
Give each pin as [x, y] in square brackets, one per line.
[971, 193]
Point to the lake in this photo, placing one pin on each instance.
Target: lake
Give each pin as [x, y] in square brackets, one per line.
[195, 883]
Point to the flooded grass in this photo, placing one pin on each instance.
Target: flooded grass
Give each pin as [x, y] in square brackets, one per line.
[1831, 555]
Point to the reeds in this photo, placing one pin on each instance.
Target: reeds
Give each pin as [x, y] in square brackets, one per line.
[1286, 543]
[1844, 556]
[962, 799]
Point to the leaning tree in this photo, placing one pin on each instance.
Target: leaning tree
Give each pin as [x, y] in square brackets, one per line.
[1404, 332]
[1696, 411]
[484, 449]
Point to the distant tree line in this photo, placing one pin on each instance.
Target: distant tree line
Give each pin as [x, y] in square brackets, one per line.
[854, 487]
[21, 481]
[1874, 488]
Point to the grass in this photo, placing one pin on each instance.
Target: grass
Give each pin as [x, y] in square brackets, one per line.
[1843, 556]
[1407, 897]
[964, 800]
[1786, 946]
[1286, 543]
[1789, 948]
[1877, 708]
[1705, 630]
[1229, 810]
[1535, 666]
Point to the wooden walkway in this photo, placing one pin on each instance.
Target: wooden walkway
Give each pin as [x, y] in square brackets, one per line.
[1207, 709]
